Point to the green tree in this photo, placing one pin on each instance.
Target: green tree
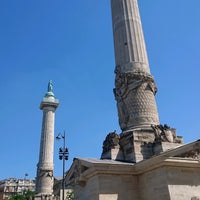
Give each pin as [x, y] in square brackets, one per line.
[70, 195]
[17, 197]
[28, 195]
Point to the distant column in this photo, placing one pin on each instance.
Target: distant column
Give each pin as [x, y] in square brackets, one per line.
[135, 88]
[45, 167]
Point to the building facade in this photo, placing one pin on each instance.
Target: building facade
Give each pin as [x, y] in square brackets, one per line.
[12, 186]
[171, 175]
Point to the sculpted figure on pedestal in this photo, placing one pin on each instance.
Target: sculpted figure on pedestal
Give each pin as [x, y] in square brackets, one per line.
[165, 134]
[50, 86]
[111, 141]
[193, 154]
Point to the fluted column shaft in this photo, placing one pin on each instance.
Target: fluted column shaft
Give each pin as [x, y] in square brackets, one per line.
[135, 88]
[130, 49]
[47, 137]
[45, 167]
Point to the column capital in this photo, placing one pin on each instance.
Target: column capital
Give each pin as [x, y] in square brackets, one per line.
[49, 102]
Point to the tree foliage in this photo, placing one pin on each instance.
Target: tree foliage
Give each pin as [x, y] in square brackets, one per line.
[28, 195]
[70, 195]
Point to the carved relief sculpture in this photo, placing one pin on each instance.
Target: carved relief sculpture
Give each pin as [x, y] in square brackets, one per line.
[135, 88]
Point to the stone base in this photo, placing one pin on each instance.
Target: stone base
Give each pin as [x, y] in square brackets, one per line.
[111, 147]
[171, 175]
[164, 146]
[113, 154]
[44, 197]
[140, 144]
[137, 145]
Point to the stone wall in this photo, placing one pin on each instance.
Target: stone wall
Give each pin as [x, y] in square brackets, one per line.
[120, 186]
[184, 183]
[153, 185]
[170, 183]
[112, 187]
[89, 190]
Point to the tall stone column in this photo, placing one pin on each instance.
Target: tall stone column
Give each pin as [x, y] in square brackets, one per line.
[135, 88]
[45, 166]
[142, 135]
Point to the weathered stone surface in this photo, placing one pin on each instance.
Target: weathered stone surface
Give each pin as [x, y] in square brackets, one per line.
[166, 134]
[142, 135]
[111, 142]
[140, 144]
[136, 104]
[111, 147]
[171, 175]
[156, 165]
[130, 49]
[135, 88]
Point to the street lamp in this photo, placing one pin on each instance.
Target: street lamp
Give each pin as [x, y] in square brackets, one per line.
[63, 155]
[25, 175]
[24, 187]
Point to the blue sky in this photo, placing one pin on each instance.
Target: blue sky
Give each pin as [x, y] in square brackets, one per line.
[71, 43]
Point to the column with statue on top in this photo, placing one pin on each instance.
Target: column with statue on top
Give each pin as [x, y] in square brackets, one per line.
[45, 166]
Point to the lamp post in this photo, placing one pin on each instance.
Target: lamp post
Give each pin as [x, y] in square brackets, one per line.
[24, 183]
[25, 175]
[63, 155]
